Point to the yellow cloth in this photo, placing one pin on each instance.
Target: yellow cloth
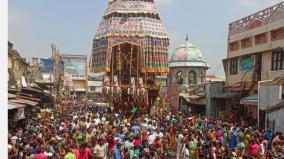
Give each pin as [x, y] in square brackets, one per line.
[173, 141]
[192, 153]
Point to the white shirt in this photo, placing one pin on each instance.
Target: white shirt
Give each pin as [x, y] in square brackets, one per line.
[160, 134]
[185, 153]
[151, 138]
[168, 118]
[180, 138]
[97, 121]
[103, 119]
[144, 127]
[88, 125]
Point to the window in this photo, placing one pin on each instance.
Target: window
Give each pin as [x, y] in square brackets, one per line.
[277, 34]
[234, 66]
[247, 42]
[234, 46]
[92, 88]
[277, 60]
[192, 77]
[260, 39]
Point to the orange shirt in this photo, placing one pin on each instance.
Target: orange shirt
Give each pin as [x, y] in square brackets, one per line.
[212, 137]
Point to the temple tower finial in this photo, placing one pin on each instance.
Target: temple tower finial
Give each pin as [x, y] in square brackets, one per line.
[187, 38]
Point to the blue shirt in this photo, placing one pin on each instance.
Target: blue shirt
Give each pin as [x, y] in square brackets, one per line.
[233, 142]
[135, 129]
[117, 154]
[269, 134]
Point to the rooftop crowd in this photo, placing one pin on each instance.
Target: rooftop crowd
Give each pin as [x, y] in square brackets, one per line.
[90, 132]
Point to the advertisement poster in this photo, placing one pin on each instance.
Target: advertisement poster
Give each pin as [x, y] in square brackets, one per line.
[46, 65]
[76, 68]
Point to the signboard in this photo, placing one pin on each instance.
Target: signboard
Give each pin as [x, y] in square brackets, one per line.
[46, 65]
[76, 68]
[246, 63]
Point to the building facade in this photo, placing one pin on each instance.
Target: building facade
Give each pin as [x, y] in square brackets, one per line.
[188, 73]
[17, 67]
[255, 53]
[271, 104]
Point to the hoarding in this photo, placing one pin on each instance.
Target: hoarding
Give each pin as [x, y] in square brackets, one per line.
[46, 66]
[76, 68]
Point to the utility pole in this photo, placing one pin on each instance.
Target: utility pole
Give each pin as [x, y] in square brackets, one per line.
[57, 72]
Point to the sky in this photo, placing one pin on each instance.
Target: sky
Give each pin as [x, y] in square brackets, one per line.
[71, 25]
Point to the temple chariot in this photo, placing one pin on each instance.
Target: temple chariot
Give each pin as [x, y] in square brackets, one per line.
[131, 47]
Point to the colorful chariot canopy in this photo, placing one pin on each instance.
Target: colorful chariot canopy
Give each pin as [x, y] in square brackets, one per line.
[131, 18]
[136, 22]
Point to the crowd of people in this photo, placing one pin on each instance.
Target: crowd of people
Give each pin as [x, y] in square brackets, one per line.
[91, 132]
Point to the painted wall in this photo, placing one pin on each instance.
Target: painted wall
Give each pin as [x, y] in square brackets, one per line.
[257, 48]
[266, 73]
[213, 105]
[265, 49]
[79, 84]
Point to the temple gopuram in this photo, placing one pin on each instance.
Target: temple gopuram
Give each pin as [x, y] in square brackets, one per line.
[131, 47]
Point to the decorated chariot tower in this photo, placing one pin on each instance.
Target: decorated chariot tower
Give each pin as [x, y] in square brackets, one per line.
[131, 47]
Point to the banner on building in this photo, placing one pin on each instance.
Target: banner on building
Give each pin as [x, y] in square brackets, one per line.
[21, 113]
[246, 63]
[46, 65]
[76, 68]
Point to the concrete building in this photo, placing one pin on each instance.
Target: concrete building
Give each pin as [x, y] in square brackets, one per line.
[188, 73]
[271, 104]
[76, 73]
[17, 68]
[255, 53]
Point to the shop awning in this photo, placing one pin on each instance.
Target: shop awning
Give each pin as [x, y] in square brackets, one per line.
[32, 90]
[250, 100]
[226, 95]
[11, 95]
[80, 89]
[24, 101]
[12, 105]
[193, 99]
[185, 97]
[30, 98]
[276, 107]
